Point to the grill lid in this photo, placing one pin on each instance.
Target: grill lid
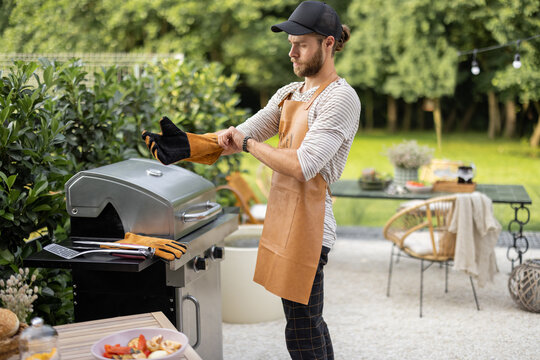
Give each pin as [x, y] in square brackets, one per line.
[149, 197]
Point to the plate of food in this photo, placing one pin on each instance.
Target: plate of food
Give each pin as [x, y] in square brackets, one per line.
[141, 343]
[373, 180]
[418, 187]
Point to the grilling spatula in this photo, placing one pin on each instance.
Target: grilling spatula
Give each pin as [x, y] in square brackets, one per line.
[67, 253]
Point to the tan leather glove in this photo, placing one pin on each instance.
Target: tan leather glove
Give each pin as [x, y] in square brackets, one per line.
[165, 248]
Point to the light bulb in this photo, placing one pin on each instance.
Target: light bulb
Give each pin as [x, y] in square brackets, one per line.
[517, 62]
[475, 69]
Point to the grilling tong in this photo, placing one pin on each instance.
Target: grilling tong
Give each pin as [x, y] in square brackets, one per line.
[118, 249]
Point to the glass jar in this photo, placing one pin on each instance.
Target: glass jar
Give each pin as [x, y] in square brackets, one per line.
[39, 342]
[465, 174]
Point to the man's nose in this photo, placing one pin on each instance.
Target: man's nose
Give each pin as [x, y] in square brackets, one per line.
[293, 53]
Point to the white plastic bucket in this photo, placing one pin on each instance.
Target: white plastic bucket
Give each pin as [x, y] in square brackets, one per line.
[244, 301]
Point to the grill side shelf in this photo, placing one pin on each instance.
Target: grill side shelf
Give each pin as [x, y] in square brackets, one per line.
[197, 241]
[104, 262]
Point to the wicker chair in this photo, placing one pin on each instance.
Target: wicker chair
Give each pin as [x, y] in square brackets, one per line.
[420, 232]
[253, 208]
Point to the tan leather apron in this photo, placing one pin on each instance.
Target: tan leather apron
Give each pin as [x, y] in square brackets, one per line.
[291, 241]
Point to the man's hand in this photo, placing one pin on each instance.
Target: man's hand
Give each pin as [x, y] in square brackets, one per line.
[230, 140]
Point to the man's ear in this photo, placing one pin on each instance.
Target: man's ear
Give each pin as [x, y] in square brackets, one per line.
[329, 42]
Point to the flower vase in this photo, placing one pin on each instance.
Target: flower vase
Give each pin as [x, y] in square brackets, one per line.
[402, 175]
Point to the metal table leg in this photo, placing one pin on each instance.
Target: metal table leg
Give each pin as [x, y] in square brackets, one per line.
[520, 243]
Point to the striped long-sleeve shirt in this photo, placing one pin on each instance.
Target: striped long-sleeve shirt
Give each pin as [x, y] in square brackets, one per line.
[332, 124]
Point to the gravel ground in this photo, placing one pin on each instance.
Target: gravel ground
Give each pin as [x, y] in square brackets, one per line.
[375, 233]
[365, 324]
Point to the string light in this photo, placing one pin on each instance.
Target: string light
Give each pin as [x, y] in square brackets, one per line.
[517, 61]
[475, 69]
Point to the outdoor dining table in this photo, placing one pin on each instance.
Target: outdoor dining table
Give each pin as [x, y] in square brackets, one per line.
[515, 195]
[75, 340]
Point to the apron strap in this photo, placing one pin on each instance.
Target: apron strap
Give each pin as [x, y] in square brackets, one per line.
[318, 91]
[287, 97]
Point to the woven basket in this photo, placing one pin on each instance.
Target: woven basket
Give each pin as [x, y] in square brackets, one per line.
[524, 285]
[10, 346]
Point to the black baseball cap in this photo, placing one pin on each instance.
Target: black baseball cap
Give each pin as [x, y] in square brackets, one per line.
[312, 16]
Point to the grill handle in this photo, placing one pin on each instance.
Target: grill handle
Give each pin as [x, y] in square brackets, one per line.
[211, 208]
[194, 300]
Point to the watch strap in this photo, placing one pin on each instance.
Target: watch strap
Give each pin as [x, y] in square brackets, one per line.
[244, 143]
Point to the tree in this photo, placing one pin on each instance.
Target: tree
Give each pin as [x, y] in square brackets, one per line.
[6, 6]
[521, 20]
[366, 58]
[401, 50]
[234, 32]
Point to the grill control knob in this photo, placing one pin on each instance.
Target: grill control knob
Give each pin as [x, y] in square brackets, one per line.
[217, 253]
[200, 263]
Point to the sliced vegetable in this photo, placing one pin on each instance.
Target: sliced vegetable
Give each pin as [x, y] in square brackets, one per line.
[142, 345]
[140, 348]
[415, 183]
[117, 350]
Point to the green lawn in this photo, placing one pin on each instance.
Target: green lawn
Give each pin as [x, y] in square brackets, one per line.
[497, 162]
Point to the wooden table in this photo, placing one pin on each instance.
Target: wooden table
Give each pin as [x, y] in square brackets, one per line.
[514, 195]
[75, 340]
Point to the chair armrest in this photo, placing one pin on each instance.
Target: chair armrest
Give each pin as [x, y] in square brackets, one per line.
[243, 203]
[431, 214]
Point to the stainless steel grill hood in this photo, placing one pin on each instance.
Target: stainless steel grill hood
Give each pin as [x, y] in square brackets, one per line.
[146, 196]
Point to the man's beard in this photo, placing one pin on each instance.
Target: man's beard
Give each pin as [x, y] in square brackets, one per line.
[312, 67]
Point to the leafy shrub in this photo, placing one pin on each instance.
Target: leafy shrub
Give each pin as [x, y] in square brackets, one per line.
[32, 167]
[57, 123]
[199, 99]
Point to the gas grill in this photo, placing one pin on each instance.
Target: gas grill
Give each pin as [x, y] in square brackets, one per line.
[147, 198]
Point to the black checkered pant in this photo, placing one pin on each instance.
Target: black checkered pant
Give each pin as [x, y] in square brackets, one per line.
[306, 333]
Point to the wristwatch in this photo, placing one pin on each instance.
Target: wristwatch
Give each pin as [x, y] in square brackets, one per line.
[244, 144]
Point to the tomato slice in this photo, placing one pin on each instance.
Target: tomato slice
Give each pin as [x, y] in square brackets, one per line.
[142, 343]
[415, 183]
[118, 350]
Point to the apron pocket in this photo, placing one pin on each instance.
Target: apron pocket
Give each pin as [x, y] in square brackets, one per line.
[282, 204]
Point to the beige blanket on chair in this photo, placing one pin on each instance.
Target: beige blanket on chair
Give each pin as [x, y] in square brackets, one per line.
[477, 232]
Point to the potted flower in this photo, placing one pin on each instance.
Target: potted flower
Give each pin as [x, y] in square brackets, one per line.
[407, 157]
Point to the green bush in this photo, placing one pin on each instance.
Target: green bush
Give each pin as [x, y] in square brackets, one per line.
[57, 122]
[32, 172]
[32, 166]
[200, 100]
[95, 116]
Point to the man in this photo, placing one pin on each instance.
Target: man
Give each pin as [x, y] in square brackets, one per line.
[316, 120]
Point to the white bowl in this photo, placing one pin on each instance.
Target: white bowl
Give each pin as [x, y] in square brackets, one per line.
[123, 337]
[419, 189]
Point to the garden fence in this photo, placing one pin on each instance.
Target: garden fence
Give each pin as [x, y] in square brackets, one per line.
[125, 62]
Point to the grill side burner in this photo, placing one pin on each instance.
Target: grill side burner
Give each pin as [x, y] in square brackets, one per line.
[148, 198]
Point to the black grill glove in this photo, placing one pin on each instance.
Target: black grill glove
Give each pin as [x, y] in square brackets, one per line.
[173, 145]
[170, 145]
